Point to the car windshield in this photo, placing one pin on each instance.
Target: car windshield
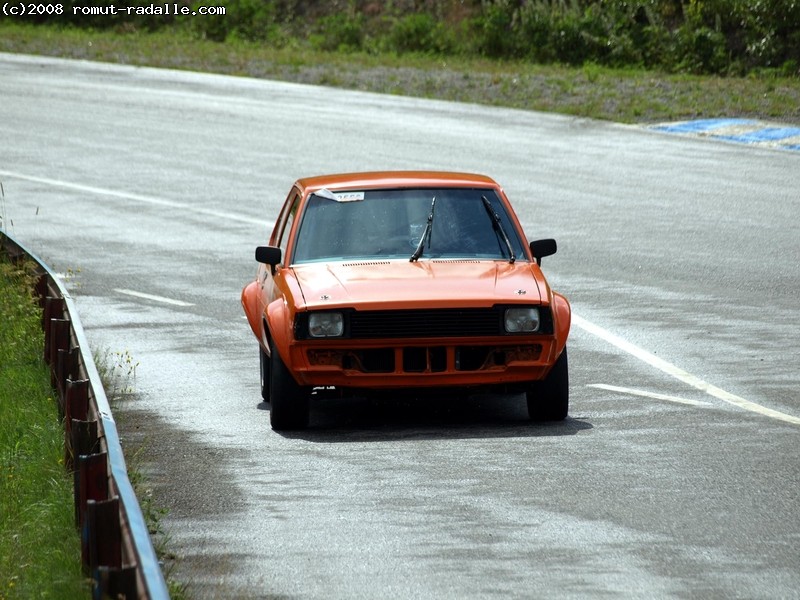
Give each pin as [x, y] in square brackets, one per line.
[393, 224]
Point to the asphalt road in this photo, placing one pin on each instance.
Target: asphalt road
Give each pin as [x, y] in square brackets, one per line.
[677, 474]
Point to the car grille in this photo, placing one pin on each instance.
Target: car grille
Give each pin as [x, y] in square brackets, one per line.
[426, 323]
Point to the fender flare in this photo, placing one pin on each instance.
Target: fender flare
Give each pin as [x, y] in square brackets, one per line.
[250, 296]
[277, 327]
[562, 316]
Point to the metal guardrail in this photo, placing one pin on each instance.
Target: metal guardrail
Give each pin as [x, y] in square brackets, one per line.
[116, 549]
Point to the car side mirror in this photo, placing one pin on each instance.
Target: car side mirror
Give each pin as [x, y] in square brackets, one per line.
[542, 248]
[269, 255]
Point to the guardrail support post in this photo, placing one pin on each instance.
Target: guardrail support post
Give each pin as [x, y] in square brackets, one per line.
[101, 532]
[115, 583]
[59, 340]
[41, 292]
[76, 407]
[53, 309]
[92, 485]
[84, 445]
[67, 366]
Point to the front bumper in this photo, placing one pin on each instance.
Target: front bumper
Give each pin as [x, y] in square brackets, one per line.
[422, 363]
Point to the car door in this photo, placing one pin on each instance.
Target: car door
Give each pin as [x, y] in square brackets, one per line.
[270, 290]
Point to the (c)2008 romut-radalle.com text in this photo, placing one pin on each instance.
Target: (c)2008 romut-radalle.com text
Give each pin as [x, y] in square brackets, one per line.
[22, 9]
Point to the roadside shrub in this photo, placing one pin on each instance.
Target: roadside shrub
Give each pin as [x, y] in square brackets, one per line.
[215, 27]
[701, 50]
[632, 33]
[556, 31]
[537, 26]
[581, 35]
[419, 32]
[654, 45]
[703, 36]
[339, 32]
[495, 31]
[248, 20]
[772, 30]
[253, 20]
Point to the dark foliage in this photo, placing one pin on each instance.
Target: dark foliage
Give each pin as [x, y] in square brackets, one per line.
[699, 36]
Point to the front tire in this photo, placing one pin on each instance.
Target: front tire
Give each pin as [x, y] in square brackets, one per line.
[289, 400]
[548, 399]
[263, 359]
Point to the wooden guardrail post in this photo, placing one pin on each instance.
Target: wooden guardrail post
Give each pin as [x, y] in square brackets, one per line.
[59, 340]
[116, 583]
[102, 534]
[53, 309]
[41, 292]
[76, 407]
[84, 444]
[67, 366]
[92, 477]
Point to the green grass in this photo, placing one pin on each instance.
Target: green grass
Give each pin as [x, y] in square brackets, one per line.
[621, 95]
[40, 555]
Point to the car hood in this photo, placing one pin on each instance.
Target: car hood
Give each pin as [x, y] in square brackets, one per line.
[422, 284]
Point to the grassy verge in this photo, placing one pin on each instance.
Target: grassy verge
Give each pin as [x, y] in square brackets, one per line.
[621, 95]
[40, 554]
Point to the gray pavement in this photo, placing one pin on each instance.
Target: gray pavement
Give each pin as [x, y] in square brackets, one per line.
[677, 473]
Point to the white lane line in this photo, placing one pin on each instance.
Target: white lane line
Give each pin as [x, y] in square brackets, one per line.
[680, 374]
[135, 197]
[161, 299]
[645, 394]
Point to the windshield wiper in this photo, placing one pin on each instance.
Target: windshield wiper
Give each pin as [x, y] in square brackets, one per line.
[498, 226]
[425, 234]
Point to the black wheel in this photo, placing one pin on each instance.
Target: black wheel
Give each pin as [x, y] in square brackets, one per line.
[289, 400]
[264, 364]
[548, 400]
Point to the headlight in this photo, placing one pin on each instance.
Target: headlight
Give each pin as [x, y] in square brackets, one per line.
[325, 324]
[522, 320]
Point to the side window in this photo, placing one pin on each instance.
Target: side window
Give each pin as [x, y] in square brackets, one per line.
[285, 225]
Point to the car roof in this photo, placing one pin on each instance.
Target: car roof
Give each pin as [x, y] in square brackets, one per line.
[394, 179]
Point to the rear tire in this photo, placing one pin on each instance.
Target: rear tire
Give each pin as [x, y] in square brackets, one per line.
[548, 400]
[289, 400]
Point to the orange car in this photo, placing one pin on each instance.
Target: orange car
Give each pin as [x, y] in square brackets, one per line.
[405, 280]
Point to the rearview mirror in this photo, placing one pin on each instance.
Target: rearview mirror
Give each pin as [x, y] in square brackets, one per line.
[268, 255]
[542, 248]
